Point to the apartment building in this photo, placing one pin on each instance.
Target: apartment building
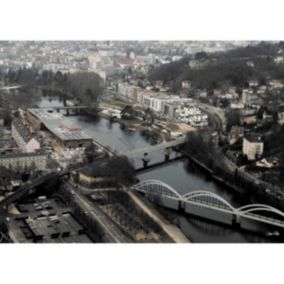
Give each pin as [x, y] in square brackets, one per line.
[25, 140]
[22, 162]
[252, 147]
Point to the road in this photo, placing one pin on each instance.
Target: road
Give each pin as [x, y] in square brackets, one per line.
[112, 230]
[216, 115]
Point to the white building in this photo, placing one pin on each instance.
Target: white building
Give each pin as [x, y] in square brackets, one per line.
[252, 147]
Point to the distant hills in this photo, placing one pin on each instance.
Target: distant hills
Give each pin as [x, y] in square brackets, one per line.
[234, 67]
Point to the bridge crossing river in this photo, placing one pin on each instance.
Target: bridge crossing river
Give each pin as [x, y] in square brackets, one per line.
[190, 202]
[154, 148]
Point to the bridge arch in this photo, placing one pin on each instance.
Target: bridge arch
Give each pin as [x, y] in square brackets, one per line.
[214, 201]
[158, 187]
[209, 196]
[259, 207]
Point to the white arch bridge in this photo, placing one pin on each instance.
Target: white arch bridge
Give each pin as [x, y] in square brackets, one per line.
[212, 201]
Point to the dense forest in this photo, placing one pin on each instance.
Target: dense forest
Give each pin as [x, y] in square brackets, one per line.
[234, 67]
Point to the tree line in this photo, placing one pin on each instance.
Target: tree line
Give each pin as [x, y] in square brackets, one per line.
[87, 87]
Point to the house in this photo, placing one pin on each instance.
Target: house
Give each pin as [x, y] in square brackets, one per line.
[23, 137]
[185, 84]
[252, 147]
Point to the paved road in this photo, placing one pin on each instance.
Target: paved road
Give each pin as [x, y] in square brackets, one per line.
[216, 115]
[112, 230]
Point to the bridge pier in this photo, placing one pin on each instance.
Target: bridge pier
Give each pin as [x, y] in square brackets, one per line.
[181, 206]
[236, 222]
[145, 160]
[167, 153]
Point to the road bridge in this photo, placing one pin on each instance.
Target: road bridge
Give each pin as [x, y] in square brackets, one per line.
[261, 213]
[154, 148]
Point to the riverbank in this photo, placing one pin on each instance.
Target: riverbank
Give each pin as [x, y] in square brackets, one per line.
[255, 191]
[214, 176]
[171, 230]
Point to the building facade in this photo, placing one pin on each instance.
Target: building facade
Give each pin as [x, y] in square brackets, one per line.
[23, 137]
[23, 162]
[252, 147]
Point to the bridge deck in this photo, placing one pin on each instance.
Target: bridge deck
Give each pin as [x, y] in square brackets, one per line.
[154, 148]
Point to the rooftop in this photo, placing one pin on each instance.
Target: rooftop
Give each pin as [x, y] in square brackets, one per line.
[21, 154]
[52, 121]
[22, 129]
[47, 220]
[68, 135]
[253, 138]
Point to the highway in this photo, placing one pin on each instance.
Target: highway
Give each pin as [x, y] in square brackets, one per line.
[113, 232]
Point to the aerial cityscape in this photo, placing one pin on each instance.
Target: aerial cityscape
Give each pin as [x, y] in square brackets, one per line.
[141, 141]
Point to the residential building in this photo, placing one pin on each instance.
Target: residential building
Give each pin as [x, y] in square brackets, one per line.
[22, 162]
[23, 137]
[252, 147]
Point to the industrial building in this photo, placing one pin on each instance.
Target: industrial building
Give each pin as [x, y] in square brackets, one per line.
[52, 121]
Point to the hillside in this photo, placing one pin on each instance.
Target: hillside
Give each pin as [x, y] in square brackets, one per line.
[234, 67]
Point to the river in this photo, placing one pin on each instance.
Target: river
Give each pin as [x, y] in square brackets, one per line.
[182, 175]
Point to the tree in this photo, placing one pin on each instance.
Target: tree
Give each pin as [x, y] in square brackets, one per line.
[85, 86]
[59, 78]
[121, 169]
[201, 55]
[233, 118]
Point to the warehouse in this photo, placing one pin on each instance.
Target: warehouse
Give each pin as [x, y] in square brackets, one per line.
[52, 121]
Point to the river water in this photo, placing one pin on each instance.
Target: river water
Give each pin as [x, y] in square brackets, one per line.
[182, 175]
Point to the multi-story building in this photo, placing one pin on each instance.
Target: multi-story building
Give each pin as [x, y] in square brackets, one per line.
[23, 137]
[252, 147]
[23, 162]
